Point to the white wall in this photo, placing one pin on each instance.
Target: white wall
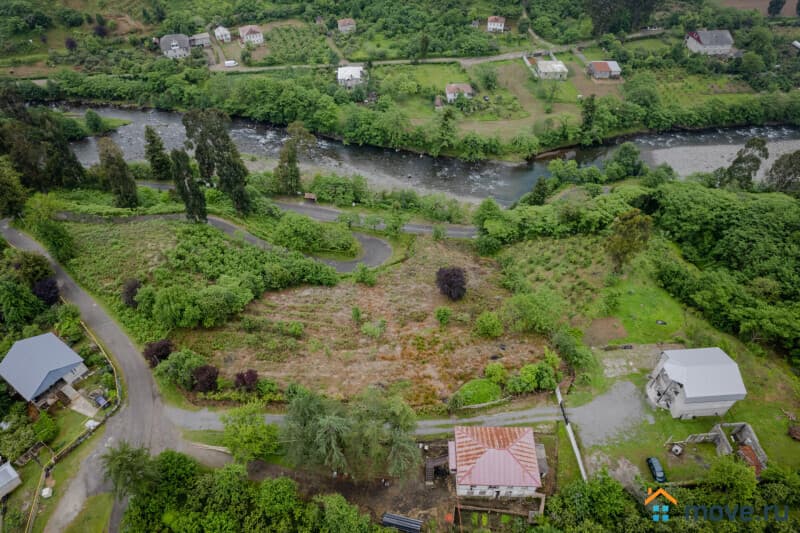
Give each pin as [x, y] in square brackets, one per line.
[491, 491]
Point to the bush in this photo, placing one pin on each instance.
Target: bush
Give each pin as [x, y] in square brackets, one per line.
[179, 368]
[356, 314]
[205, 378]
[488, 325]
[68, 325]
[155, 352]
[29, 267]
[478, 391]
[452, 282]
[365, 275]
[374, 329]
[247, 380]
[45, 428]
[269, 391]
[536, 312]
[443, 315]
[573, 351]
[129, 291]
[496, 373]
[439, 232]
[47, 291]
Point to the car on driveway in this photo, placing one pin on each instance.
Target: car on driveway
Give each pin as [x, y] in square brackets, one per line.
[655, 468]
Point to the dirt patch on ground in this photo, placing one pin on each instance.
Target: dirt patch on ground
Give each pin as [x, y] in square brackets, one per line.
[611, 414]
[339, 357]
[587, 86]
[126, 25]
[409, 497]
[638, 357]
[622, 470]
[25, 71]
[604, 330]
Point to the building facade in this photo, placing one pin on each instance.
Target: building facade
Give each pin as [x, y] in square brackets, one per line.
[496, 24]
[696, 382]
[602, 70]
[174, 46]
[346, 25]
[454, 89]
[201, 40]
[222, 34]
[350, 76]
[251, 35]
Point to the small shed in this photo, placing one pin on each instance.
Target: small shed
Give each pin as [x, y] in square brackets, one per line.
[310, 197]
[401, 523]
[346, 25]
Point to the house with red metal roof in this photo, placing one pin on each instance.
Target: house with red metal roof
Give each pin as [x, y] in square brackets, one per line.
[600, 70]
[494, 462]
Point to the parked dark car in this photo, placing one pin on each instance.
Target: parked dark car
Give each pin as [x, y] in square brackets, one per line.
[655, 468]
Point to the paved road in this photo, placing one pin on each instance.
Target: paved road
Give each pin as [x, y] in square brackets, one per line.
[140, 421]
[331, 214]
[375, 251]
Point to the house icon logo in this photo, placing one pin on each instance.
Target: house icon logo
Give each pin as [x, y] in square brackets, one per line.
[660, 510]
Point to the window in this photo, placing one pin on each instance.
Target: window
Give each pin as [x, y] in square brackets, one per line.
[493, 486]
[482, 492]
[472, 487]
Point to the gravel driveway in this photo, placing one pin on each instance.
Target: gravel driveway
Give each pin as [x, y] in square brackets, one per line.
[622, 408]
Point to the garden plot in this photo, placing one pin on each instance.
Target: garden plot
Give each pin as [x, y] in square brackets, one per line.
[397, 344]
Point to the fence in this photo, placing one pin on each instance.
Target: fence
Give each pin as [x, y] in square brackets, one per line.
[63, 452]
[571, 434]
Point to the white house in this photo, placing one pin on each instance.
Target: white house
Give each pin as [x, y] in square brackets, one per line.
[452, 90]
[346, 25]
[603, 70]
[496, 24]
[350, 76]
[710, 42]
[222, 34]
[696, 382]
[202, 40]
[175, 45]
[546, 69]
[251, 34]
[494, 462]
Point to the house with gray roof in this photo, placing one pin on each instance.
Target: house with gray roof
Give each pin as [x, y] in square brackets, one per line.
[710, 42]
[175, 45]
[696, 382]
[9, 479]
[38, 365]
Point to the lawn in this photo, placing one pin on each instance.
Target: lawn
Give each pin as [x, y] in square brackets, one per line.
[62, 473]
[435, 75]
[70, 425]
[567, 469]
[94, 516]
[641, 305]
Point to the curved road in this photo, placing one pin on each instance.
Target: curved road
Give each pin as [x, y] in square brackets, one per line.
[375, 251]
[141, 419]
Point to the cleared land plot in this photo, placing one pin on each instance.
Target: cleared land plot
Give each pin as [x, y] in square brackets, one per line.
[336, 356]
[688, 89]
[759, 5]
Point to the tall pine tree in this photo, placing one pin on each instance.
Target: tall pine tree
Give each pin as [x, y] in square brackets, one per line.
[117, 173]
[160, 166]
[287, 173]
[207, 133]
[188, 189]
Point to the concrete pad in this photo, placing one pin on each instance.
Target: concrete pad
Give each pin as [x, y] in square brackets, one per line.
[83, 406]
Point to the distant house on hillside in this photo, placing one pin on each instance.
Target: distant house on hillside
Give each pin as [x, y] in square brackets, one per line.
[174, 45]
[437, 103]
[696, 382]
[346, 25]
[251, 34]
[202, 40]
[494, 462]
[710, 42]
[37, 366]
[496, 24]
[546, 69]
[601, 70]
[454, 89]
[222, 34]
[350, 76]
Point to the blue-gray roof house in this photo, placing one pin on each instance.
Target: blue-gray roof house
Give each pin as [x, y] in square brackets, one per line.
[32, 366]
[9, 479]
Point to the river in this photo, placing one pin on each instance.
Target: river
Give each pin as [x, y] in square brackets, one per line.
[687, 152]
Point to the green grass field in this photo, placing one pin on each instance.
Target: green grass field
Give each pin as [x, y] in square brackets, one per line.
[94, 516]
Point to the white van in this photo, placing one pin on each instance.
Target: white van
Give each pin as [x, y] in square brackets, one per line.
[231, 63]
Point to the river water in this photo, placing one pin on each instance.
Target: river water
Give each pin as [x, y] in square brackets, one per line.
[687, 152]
